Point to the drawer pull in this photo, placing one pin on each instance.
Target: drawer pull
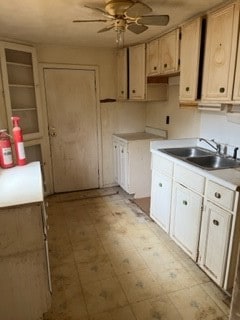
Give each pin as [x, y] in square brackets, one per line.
[133, 91]
[155, 68]
[222, 90]
[165, 65]
[215, 222]
[185, 202]
[122, 92]
[217, 195]
[160, 184]
[187, 89]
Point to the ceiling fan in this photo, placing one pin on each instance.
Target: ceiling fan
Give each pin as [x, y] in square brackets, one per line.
[132, 15]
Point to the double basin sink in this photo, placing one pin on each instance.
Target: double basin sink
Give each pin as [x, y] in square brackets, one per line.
[202, 158]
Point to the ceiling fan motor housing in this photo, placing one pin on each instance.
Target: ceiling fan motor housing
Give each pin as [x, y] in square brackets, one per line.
[117, 8]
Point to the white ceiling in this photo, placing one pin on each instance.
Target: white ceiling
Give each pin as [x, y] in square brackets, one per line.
[50, 21]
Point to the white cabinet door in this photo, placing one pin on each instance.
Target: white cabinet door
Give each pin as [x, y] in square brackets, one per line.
[185, 219]
[137, 72]
[123, 166]
[122, 78]
[214, 241]
[161, 194]
[116, 160]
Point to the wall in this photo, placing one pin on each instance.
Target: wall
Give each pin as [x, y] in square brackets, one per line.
[215, 125]
[184, 123]
[115, 116]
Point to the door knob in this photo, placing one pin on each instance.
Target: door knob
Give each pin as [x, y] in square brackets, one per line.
[52, 132]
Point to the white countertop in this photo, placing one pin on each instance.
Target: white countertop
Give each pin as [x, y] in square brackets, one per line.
[137, 136]
[21, 185]
[230, 178]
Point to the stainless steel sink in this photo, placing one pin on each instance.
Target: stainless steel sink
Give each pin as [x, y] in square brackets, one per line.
[187, 152]
[214, 162]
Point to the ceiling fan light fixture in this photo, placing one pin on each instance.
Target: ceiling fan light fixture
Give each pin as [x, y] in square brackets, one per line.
[120, 38]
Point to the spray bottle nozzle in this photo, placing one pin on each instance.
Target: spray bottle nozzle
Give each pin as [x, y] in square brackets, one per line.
[15, 121]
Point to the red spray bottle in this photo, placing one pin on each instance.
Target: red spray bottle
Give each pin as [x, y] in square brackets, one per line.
[6, 160]
[18, 142]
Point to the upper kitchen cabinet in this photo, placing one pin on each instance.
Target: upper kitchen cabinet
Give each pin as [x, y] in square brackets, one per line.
[163, 55]
[220, 54]
[236, 89]
[122, 74]
[137, 72]
[153, 65]
[191, 50]
[21, 87]
[169, 52]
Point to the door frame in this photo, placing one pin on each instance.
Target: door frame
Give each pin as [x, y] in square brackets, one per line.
[42, 67]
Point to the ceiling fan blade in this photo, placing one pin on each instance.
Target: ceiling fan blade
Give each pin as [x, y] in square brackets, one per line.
[99, 20]
[137, 10]
[106, 28]
[157, 20]
[137, 28]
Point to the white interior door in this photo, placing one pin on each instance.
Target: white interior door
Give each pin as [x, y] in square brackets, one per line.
[72, 117]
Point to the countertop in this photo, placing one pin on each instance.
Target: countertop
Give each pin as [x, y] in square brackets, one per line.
[21, 185]
[229, 178]
[137, 136]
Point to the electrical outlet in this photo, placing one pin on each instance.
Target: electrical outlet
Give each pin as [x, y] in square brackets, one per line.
[167, 119]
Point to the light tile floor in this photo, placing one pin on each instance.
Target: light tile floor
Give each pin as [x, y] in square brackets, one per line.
[109, 261]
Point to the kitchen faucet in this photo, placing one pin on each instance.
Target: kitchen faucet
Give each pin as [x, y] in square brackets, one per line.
[216, 147]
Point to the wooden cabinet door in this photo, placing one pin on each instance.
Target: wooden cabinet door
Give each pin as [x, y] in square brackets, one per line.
[122, 79]
[137, 76]
[169, 52]
[153, 67]
[185, 219]
[220, 54]
[161, 194]
[214, 239]
[236, 90]
[190, 53]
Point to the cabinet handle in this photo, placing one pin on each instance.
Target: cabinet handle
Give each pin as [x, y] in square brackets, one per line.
[115, 147]
[155, 68]
[122, 92]
[185, 202]
[215, 222]
[122, 150]
[222, 89]
[217, 195]
[165, 65]
[160, 184]
[133, 91]
[187, 88]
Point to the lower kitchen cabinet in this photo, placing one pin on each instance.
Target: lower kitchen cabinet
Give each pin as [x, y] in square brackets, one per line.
[186, 219]
[132, 162]
[203, 215]
[161, 194]
[214, 241]
[24, 269]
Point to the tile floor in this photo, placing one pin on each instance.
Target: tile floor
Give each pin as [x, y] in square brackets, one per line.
[110, 261]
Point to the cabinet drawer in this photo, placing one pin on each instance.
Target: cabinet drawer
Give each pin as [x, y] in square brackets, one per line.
[220, 195]
[162, 165]
[189, 179]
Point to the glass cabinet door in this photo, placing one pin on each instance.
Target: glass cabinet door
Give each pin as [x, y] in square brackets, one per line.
[21, 88]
